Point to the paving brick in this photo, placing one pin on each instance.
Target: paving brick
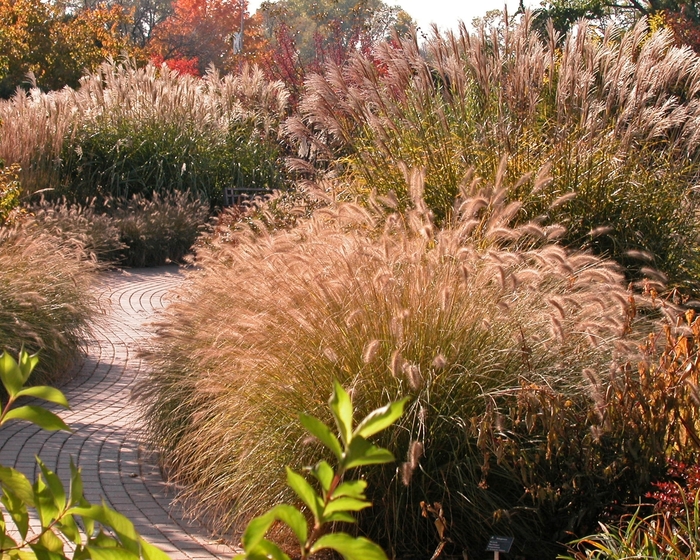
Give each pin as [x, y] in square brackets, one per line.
[106, 438]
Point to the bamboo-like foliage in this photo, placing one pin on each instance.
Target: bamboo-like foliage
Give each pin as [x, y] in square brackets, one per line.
[487, 327]
[129, 129]
[614, 118]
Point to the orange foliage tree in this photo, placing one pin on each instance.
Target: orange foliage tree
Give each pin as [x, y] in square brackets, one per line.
[200, 33]
[56, 47]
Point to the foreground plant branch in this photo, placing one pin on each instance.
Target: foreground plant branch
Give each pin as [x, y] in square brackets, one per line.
[337, 498]
[105, 533]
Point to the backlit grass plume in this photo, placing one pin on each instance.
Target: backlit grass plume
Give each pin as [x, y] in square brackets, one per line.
[614, 118]
[488, 327]
[129, 130]
[45, 295]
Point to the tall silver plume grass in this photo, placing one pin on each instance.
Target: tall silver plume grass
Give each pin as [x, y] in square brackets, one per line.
[613, 118]
[36, 127]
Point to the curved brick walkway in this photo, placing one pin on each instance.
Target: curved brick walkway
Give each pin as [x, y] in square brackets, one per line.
[104, 420]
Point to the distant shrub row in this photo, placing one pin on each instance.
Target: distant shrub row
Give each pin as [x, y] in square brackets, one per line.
[134, 131]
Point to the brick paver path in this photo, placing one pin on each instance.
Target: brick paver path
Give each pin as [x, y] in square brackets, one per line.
[106, 436]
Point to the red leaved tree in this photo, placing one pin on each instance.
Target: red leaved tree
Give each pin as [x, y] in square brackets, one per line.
[200, 33]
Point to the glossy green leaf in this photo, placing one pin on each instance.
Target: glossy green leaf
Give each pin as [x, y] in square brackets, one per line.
[76, 485]
[350, 548]
[110, 553]
[341, 406]
[294, 519]
[352, 489]
[108, 517]
[44, 554]
[361, 452]
[27, 363]
[10, 374]
[39, 416]
[6, 541]
[305, 492]
[265, 550]
[17, 510]
[103, 540]
[51, 542]
[340, 516]
[380, 419]
[150, 552]
[319, 430]
[15, 482]
[43, 392]
[324, 474]
[345, 504]
[81, 553]
[55, 486]
[44, 503]
[256, 529]
[70, 529]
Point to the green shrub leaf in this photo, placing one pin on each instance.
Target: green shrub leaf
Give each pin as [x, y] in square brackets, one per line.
[341, 405]
[6, 542]
[294, 518]
[70, 529]
[44, 502]
[340, 516]
[51, 542]
[10, 374]
[150, 552]
[265, 550]
[324, 473]
[17, 510]
[40, 416]
[345, 504]
[319, 430]
[44, 554]
[15, 482]
[111, 553]
[76, 484]
[110, 518]
[361, 452]
[27, 363]
[350, 548]
[46, 393]
[352, 489]
[55, 486]
[256, 529]
[305, 492]
[380, 419]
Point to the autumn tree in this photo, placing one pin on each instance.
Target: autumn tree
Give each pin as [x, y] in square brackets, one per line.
[201, 32]
[56, 47]
[304, 35]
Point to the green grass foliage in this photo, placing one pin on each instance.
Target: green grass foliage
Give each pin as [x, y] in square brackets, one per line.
[613, 119]
[503, 339]
[130, 130]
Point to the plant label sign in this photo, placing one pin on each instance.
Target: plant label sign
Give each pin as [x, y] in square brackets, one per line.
[498, 545]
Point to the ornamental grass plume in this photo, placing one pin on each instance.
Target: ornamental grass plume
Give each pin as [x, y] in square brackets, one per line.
[129, 130]
[45, 296]
[616, 117]
[487, 325]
